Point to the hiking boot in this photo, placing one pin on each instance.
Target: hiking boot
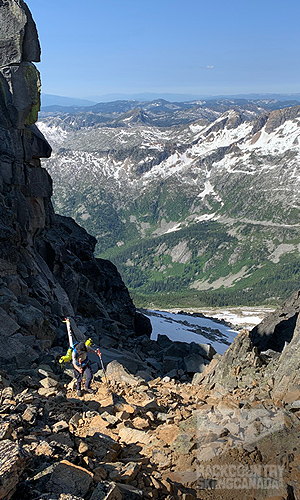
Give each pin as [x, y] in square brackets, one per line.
[89, 391]
[79, 393]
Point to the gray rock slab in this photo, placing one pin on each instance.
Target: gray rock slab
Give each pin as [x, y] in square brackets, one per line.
[28, 317]
[15, 351]
[24, 85]
[69, 478]
[171, 363]
[129, 492]
[163, 341]
[38, 182]
[205, 350]
[144, 374]
[31, 47]
[171, 374]
[13, 460]
[154, 363]
[294, 406]
[177, 350]
[8, 325]
[29, 340]
[115, 371]
[106, 491]
[194, 363]
[12, 26]
[125, 358]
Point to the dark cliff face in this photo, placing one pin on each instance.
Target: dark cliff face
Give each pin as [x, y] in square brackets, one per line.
[25, 187]
[47, 266]
[278, 328]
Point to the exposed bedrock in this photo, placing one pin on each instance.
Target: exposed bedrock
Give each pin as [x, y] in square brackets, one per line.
[47, 266]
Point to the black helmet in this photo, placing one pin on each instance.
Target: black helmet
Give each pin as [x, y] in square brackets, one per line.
[81, 347]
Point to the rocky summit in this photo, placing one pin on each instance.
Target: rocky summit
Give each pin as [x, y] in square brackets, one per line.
[165, 420]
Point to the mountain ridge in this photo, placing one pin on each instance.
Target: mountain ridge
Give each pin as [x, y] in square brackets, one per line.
[236, 173]
[173, 97]
[165, 113]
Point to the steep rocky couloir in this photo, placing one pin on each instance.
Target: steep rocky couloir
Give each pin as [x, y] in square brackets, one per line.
[47, 266]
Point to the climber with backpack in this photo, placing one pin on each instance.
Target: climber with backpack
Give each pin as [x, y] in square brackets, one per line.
[82, 365]
[78, 355]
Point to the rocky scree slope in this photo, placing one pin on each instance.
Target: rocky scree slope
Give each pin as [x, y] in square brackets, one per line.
[160, 438]
[196, 208]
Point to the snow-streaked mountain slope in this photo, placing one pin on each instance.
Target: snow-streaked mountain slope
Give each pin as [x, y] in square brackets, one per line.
[129, 160]
[128, 183]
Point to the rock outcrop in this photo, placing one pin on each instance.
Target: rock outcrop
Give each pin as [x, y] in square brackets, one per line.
[278, 328]
[47, 266]
[255, 404]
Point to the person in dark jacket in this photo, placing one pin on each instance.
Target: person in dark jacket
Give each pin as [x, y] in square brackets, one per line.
[82, 365]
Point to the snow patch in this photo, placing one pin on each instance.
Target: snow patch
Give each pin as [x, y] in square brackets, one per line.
[184, 328]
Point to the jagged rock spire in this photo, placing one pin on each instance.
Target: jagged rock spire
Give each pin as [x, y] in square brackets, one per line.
[19, 78]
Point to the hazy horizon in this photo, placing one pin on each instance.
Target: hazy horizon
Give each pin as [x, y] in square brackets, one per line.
[52, 99]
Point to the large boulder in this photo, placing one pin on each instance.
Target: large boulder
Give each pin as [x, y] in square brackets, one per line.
[194, 363]
[287, 375]
[13, 460]
[70, 478]
[118, 373]
[278, 327]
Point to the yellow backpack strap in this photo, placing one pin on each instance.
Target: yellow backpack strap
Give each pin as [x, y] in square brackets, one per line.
[67, 358]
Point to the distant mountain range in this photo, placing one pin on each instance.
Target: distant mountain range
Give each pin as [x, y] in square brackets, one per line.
[160, 113]
[193, 201]
[55, 100]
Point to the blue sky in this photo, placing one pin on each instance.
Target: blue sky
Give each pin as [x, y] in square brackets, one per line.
[200, 47]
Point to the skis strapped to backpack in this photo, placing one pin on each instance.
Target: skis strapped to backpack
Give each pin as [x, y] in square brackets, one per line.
[72, 344]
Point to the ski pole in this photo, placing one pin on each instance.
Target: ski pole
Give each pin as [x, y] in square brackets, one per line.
[99, 354]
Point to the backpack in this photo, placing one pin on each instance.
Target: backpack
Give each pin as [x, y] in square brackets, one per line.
[84, 362]
[68, 357]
